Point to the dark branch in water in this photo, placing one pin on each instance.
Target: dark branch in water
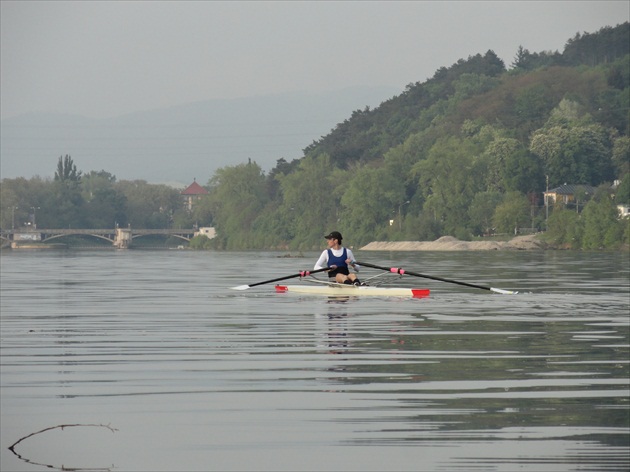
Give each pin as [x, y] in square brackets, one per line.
[60, 426]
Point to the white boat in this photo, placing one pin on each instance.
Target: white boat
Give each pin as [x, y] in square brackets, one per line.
[334, 289]
[372, 287]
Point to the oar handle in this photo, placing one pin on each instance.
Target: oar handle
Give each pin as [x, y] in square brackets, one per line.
[303, 273]
[397, 270]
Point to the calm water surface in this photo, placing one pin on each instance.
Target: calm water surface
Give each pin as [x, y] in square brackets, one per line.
[195, 376]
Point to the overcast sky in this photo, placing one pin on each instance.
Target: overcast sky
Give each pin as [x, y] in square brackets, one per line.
[104, 59]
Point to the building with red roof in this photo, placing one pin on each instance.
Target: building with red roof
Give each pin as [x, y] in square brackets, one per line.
[193, 193]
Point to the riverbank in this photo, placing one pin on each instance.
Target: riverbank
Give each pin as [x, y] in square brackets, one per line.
[449, 243]
[36, 245]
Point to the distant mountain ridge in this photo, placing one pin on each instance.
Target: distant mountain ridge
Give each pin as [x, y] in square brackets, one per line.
[182, 142]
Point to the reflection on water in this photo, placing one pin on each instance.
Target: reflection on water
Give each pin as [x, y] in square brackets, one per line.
[194, 376]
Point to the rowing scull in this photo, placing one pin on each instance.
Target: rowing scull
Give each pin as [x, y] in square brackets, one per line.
[333, 289]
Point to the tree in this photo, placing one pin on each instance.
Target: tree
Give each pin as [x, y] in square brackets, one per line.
[602, 228]
[237, 197]
[25, 201]
[69, 205]
[520, 60]
[622, 192]
[67, 170]
[95, 181]
[201, 241]
[564, 229]
[149, 205]
[67, 198]
[512, 214]
[621, 155]
[604, 46]
[523, 172]
[567, 113]
[314, 207]
[423, 227]
[482, 211]
[106, 208]
[371, 197]
[527, 61]
[531, 104]
[495, 158]
[105, 205]
[202, 212]
[468, 85]
[448, 181]
[579, 154]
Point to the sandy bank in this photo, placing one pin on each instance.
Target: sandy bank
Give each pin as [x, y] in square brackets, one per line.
[449, 243]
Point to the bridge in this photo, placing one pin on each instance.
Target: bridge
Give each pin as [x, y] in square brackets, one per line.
[121, 238]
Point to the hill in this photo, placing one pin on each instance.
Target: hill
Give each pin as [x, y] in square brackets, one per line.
[467, 152]
[481, 88]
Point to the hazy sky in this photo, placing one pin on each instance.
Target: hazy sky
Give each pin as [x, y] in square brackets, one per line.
[103, 59]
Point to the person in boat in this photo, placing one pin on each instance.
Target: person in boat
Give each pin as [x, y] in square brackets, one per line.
[339, 259]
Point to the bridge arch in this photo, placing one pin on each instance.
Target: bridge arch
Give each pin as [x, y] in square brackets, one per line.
[180, 236]
[57, 236]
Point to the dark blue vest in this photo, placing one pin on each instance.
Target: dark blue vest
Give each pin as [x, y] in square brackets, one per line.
[339, 261]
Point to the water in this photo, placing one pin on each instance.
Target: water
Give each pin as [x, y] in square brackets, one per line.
[195, 376]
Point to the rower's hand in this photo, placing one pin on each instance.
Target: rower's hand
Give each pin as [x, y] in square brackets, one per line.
[353, 264]
[333, 267]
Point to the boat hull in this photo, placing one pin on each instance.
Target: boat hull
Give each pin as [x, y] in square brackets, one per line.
[354, 290]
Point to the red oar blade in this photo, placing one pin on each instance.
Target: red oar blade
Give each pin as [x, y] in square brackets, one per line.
[420, 292]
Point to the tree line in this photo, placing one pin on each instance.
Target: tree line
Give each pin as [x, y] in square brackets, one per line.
[92, 200]
[467, 153]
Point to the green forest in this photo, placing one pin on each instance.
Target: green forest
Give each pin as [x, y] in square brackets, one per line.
[467, 153]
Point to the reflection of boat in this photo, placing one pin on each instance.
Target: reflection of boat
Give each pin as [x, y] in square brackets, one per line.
[335, 289]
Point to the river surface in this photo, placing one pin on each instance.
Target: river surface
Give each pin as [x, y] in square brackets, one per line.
[157, 365]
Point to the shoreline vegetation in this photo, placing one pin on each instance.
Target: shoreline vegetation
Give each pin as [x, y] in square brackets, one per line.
[530, 242]
[479, 148]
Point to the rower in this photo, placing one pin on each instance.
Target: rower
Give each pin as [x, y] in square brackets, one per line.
[339, 258]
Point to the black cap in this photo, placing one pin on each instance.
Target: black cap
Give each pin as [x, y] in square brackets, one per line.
[334, 235]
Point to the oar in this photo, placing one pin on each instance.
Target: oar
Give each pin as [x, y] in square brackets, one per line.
[303, 273]
[396, 270]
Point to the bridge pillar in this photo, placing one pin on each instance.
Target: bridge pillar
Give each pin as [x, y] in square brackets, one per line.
[123, 238]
